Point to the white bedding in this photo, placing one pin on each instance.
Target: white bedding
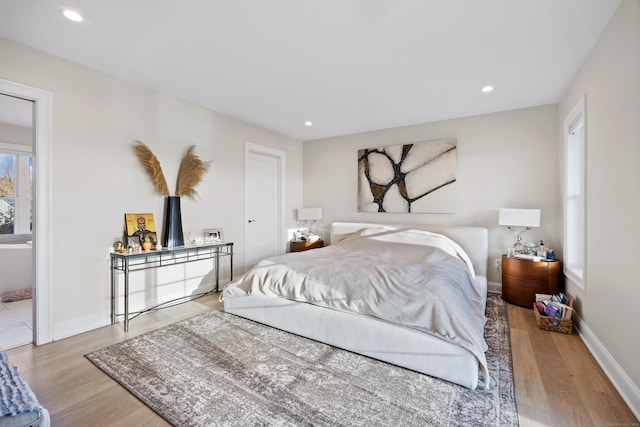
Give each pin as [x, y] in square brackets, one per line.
[418, 279]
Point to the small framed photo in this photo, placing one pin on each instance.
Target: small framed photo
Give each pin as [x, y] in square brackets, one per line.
[133, 242]
[153, 237]
[213, 235]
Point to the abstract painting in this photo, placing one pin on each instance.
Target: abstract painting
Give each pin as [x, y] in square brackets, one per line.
[409, 178]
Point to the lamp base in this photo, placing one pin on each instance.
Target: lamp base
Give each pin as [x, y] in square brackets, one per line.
[517, 246]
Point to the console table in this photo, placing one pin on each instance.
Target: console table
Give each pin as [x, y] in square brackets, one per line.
[127, 262]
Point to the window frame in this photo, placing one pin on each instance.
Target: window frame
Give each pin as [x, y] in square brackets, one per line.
[23, 201]
[575, 195]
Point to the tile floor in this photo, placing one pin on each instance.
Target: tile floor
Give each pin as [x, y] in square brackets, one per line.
[16, 324]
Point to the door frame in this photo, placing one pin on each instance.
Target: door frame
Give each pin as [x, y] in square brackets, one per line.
[279, 156]
[41, 236]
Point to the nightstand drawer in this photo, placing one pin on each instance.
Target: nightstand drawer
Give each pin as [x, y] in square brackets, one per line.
[522, 279]
[521, 291]
[527, 269]
[305, 246]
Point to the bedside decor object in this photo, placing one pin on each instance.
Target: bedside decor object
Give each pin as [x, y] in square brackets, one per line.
[309, 216]
[522, 218]
[558, 323]
[190, 174]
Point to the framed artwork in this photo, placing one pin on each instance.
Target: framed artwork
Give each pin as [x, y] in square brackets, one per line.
[138, 226]
[409, 178]
[213, 234]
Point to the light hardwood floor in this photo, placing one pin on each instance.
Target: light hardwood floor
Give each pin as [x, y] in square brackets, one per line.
[557, 380]
[15, 323]
[558, 383]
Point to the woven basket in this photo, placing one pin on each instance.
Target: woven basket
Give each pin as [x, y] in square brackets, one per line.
[554, 324]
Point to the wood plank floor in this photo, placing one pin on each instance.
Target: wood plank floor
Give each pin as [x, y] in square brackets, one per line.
[557, 380]
[76, 393]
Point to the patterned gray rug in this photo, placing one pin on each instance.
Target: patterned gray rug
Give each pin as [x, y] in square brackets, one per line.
[219, 369]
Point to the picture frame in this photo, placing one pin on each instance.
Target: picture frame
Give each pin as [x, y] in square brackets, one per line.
[133, 242]
[153, 236]
[213, 235]
[137, 227]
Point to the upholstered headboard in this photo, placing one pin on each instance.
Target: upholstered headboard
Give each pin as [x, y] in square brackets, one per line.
[474, 240]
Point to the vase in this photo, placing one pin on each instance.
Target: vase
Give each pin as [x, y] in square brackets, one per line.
[146, 245]
[172, 236]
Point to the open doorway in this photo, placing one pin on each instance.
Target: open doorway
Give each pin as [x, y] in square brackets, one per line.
[40, 101]
[16, 222]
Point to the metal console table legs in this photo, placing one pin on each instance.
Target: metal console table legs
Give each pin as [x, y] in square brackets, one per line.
[126, 263]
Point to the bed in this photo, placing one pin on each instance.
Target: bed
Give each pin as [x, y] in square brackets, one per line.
[433, 327]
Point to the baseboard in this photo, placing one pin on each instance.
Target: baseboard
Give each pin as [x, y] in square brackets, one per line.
[495, 287]
[79, 326]
[628, 390]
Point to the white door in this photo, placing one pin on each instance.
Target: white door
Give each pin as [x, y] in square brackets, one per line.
[264, 199]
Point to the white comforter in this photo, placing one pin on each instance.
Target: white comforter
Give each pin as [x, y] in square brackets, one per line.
[414, 278]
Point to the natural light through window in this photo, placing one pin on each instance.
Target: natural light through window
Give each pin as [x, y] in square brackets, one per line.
[575, 195]
[16, 182]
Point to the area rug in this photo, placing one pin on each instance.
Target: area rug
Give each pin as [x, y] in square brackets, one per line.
[15, 295]
[219, 369]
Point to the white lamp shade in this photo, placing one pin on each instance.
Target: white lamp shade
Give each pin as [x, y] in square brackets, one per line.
[309, 214]
[519, 217]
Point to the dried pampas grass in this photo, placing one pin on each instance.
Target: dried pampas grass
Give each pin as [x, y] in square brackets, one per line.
[152, 166]
[191, 172]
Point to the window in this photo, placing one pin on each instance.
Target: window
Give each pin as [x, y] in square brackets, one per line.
[575, 222]
[16, 165]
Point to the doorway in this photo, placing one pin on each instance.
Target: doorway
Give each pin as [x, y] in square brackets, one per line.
[41, 239]
[264, 203]
[16, 252]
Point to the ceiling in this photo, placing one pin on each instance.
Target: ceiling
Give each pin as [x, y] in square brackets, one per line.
[348, 66]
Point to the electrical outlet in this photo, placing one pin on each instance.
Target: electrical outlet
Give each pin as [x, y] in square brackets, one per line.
[498, 264]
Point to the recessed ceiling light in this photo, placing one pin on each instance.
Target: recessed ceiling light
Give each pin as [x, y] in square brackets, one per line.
[72, 15]
[308, 123]
[487, 89]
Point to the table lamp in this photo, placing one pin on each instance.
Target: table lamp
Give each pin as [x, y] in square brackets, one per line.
[309, 215]
[523, 218]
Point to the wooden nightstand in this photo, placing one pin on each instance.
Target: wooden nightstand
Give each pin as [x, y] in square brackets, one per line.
[305, 246]
[522, 279]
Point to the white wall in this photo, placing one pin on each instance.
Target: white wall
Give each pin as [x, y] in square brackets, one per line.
[16, 267]
[610, 78]
[96, 178]
[506, 159]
